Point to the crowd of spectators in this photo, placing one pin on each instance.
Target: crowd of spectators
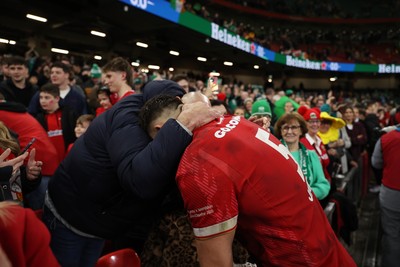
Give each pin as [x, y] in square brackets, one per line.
[339, 42]
[36, 85]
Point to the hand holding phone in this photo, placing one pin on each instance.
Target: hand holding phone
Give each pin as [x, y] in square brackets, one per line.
[28, 145]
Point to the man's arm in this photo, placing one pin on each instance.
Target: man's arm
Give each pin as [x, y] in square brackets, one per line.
[216, 251]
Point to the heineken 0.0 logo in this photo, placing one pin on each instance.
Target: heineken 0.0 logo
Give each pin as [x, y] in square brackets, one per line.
[139, 3]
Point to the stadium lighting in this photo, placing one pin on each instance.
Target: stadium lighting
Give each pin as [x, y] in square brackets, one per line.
[256, 67]
[37, 18]
[97, 33]
[153, 67]
[228, 63]
[144, 45]
[201, 59]
[97, 57]
[214, 73]
[332, 79]
[171, 69]
[135, 64]
[174, 53]
[60, 51]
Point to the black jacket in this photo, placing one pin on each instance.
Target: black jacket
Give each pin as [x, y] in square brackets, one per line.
[115, 177]
[13, 94]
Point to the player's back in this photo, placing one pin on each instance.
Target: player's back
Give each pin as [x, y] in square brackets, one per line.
[280, 220]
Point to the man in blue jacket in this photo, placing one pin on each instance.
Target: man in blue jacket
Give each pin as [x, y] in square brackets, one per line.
[115, 178]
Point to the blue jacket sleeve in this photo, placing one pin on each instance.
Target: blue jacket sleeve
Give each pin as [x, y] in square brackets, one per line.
[319, 184]
[145, 167]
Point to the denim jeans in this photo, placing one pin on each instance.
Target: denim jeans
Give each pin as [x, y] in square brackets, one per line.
[71, 249]
[35, 198]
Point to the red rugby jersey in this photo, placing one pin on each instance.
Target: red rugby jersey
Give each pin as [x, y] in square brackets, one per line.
[235, 174]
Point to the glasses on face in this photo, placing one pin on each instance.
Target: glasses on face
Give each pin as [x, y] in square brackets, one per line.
[314, 121]
[294, 128]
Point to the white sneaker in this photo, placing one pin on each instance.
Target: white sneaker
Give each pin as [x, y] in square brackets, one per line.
[375, 189]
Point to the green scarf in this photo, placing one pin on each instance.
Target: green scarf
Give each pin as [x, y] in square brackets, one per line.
[303, 159]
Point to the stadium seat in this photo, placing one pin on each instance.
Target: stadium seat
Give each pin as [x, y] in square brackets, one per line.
[120, 258]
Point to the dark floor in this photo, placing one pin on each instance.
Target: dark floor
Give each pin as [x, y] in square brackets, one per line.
[365, 249]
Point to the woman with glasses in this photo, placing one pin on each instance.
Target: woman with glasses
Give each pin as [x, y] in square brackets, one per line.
[290, 128]
[311, 140]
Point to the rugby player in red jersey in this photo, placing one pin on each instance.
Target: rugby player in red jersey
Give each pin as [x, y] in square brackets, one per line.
[236, 178]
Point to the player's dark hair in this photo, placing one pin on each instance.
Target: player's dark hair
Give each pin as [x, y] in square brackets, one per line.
[155, 107]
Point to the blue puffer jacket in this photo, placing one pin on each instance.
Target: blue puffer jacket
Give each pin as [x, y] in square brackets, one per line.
[115, 176]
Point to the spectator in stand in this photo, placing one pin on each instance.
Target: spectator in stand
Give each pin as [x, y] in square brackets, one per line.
[182, 80]
[104, 98]
[82, 123]
[24, 239]
[386, 157]
[248, 104]
[289, 129]
[261, 114]
[269, 208]
[59, 122]
[4, 73]
[17, 88]
[371, 123]
[18, 120]
[16, 179]
[118, 78]
[239, 112]
[71, 96]
[114, 179]
[311, 140]
[356, 132]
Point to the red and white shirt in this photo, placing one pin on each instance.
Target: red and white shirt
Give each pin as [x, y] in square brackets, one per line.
[237, 175]
[55, 132]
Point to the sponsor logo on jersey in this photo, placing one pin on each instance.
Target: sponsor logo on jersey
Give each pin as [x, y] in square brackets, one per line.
[228, 127]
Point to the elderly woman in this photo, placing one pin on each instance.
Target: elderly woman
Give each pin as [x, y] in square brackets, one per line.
[290, 128]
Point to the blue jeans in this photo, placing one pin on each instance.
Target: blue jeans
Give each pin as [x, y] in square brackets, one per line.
[70, 249]
[36, 197]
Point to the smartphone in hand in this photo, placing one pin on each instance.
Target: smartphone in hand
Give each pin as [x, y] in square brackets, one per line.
[28, 145]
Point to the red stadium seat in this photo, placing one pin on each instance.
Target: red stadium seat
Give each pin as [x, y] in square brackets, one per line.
[120, 258]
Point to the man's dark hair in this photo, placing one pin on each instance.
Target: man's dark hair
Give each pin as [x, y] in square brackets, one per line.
[179, 77]
[155, 107]
[62, 66]
[51, 89]
[120, 64]
[17, 60]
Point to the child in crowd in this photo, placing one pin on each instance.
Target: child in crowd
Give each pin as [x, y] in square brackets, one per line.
[104, 98]
[82, 123]
[59, 122]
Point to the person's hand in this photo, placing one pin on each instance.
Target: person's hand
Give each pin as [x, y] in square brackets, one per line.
[33, 167]
[15, 163]
[197, 114]
[263, 122]
[353, 164]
